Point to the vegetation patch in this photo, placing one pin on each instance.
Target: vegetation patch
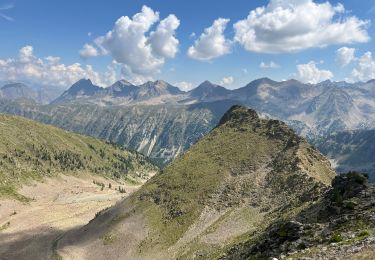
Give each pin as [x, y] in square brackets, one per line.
[4, 226]
[108, 239]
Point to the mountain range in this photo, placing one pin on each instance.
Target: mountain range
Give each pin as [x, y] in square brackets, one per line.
[24, 93]
[161, 121]
[312, 109]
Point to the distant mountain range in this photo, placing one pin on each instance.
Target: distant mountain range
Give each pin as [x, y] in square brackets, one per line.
[22, 92]
[120, 93]
[312, 109]
[161, 121]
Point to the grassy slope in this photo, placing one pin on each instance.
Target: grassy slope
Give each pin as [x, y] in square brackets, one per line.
[247, 172]
[30, 150]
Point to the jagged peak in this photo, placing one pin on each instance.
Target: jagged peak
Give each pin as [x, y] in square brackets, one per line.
[263, 80]
[83, 85]
[83, 80]
[292, 81]
[122, 82]
[239, 114]
[160, 82]
[206, 83]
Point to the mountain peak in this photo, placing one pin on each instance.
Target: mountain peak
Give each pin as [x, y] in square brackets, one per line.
[83, 87]
[18, 91]
[263, 80]
[83, 81]
[161, 83]
[206, 83]
[238, 114]
[259, 171]
[123, 82]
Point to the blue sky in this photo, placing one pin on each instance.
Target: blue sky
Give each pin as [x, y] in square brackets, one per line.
[61, 29]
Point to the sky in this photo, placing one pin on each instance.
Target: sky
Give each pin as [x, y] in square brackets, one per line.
[55, 43]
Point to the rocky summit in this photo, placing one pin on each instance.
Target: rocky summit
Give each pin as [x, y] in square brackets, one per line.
[228, 188]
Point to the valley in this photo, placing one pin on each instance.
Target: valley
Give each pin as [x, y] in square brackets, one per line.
[52, 181]
[58, 204]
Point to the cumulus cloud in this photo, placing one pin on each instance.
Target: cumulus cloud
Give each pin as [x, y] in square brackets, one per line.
[365, 68]
[211, 43]
[227, 81]
[184, 85]
[310, 73]
[270, 65]
[50, 71]
[345, 56]
[295, 25]
[163, 41]
[140, 52]
[88, 51]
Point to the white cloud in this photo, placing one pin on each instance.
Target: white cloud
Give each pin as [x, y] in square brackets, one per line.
[211, 43]
[163, 42]
[183, 85]
[345, 56]
[365, 69]
[270, 65]
[141, 56]
[227, 81]
[295, 25]
[88, 51]
[50, 71]
[310, 73]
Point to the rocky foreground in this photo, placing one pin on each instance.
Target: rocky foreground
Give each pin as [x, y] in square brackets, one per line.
[341, 225]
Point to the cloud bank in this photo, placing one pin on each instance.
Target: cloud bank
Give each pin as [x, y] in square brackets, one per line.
[49, 71]
[294, 25]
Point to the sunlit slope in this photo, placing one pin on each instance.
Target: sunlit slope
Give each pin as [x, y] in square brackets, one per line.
[232, 184]
[30, 150]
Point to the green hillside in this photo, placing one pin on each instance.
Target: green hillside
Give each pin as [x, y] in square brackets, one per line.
[236, 181]
[31, 151]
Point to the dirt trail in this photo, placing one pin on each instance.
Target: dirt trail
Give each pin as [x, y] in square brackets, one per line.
[28, 231]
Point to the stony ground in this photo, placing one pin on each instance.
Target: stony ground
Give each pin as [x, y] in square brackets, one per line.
[28, 230]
